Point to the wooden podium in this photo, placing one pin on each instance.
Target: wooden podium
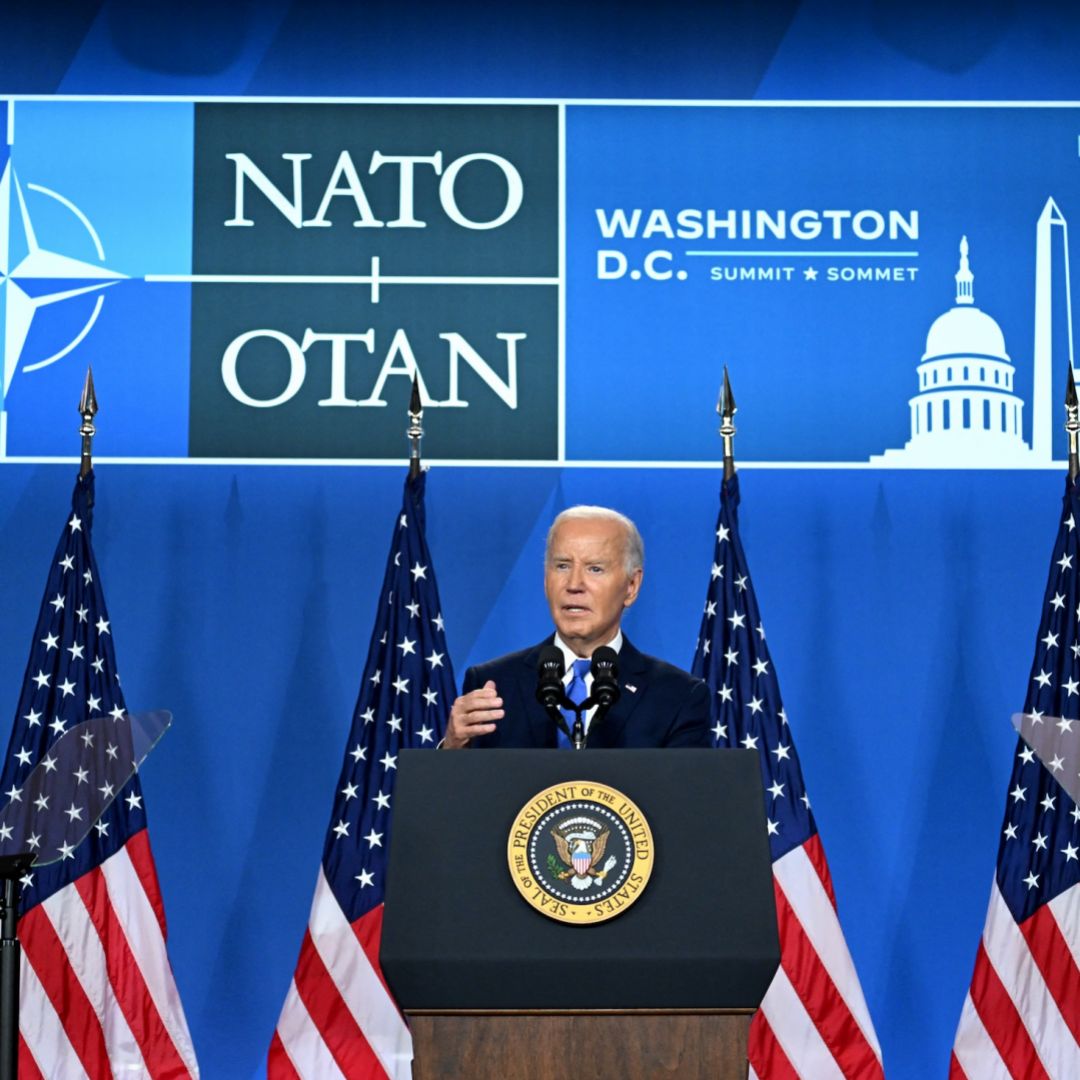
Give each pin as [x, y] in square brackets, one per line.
[494, 989]
[548, 1046]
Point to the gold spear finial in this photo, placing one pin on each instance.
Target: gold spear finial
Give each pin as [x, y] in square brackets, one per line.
[415, 431]
[727, 408]
[88, 408]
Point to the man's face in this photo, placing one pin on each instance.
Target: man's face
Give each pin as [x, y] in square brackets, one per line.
[586, 582]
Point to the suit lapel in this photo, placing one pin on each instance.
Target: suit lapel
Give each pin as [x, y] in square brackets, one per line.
[633, 672]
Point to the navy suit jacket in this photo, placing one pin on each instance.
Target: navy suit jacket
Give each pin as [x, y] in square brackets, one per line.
[660, 705]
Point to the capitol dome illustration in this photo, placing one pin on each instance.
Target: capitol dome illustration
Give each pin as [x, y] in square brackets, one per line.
[966, 412]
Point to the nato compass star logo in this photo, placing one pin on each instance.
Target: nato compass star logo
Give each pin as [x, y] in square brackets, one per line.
[33, 277]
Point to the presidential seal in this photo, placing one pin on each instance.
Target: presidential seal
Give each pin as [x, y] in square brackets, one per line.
[580, 852]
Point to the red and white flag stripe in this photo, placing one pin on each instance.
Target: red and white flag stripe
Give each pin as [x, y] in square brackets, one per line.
[339, 1019]
[813, 1021]
[97, 993]
[1021, 1016]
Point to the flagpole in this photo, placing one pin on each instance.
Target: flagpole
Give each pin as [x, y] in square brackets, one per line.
[415, 431]
[726, 407]
[1072, 425]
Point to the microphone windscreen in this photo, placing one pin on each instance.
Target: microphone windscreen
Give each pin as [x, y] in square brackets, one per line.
[605, 674]
[549, 673]
[605, 662]
[551, 659]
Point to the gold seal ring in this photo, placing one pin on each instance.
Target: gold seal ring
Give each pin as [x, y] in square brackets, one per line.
[580, 852]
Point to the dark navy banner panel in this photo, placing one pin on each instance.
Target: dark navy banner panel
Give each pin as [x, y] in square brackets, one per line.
[259, 223]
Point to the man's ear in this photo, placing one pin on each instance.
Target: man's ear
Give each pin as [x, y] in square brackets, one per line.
[634, 587]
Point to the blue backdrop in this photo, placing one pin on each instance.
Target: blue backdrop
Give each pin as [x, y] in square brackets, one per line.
[901, 606]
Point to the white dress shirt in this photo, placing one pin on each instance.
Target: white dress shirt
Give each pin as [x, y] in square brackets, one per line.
[569, 656]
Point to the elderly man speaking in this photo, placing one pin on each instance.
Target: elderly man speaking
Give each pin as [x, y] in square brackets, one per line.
[593, 567]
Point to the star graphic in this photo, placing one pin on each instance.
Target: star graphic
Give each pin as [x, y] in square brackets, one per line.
[33, 277]
[810, 273]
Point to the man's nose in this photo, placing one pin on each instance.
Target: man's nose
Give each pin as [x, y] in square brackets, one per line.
[576, 580]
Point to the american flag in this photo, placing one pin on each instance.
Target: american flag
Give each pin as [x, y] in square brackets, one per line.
[339, 1019]
[97, 992]
[1021, 1016]
[813, 1021]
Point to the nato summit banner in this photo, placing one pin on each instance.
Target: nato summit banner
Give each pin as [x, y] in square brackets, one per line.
[261, 280]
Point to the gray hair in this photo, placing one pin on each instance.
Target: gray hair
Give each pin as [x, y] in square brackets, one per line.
[633, 545]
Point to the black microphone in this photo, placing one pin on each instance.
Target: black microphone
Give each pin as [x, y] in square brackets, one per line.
[550, 671]
[605, 677]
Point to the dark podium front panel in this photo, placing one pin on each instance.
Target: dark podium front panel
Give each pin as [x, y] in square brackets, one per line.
[458, 935]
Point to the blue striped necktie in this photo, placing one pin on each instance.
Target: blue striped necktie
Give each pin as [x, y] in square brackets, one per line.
[577, 693]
